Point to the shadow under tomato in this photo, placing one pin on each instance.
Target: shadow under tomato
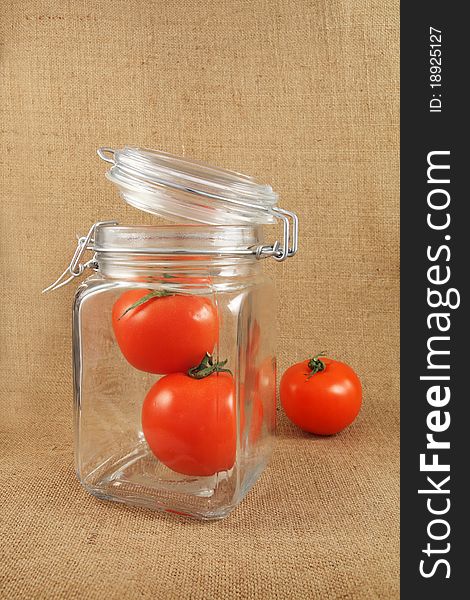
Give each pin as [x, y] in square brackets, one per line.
[285, 429]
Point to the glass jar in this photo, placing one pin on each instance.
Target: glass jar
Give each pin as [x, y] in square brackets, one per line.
[173, 339]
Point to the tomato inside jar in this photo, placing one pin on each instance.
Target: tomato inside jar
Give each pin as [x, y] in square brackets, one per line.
[189, 420]
[160, 332]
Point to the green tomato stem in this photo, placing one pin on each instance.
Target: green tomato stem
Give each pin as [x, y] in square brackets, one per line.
[207, 367]
[146, 298]
[316, 365]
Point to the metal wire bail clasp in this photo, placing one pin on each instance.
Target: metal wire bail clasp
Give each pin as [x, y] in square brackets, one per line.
[76, 268]
[289, 246]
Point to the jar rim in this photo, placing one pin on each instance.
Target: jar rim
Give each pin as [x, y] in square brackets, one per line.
[177, 239]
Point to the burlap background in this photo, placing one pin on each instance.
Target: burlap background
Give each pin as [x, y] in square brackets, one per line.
[302, 94]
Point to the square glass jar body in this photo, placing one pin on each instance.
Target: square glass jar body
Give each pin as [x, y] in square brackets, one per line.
[210, 443]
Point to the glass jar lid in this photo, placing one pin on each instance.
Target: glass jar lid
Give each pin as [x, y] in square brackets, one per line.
[184, 190]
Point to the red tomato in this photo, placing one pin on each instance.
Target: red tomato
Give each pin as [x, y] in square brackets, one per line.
[166, 334]
[190, 424]
[324, 402]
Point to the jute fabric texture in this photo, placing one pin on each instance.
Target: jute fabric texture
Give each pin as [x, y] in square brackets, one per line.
[302, 94]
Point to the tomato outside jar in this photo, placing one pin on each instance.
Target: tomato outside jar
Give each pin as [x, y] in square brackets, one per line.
[173, 337]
